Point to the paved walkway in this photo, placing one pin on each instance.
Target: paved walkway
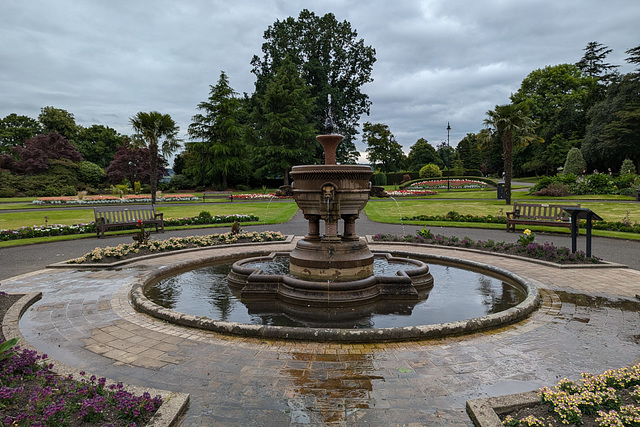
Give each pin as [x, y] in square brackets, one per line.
[588, 322]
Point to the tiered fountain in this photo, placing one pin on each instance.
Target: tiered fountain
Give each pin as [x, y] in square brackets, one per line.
[331, 269]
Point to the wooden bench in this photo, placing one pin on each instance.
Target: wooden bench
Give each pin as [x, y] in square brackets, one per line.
[538, 214]
[217, 195]
[118, 216]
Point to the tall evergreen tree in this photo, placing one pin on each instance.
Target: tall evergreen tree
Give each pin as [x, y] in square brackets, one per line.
[332, 60]
[218, 127]
[614, 127]
[284, 131]
[592, 63]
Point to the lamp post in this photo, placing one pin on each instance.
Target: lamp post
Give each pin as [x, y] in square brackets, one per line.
[448, 155]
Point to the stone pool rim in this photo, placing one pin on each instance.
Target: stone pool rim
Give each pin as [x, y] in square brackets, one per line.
[406, 333]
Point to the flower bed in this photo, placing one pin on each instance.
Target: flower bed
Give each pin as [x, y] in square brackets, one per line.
[455, 216]
[258, 196]
[123, 251]
[406, 193]
[59, 229]
[452, 183]
[610, 399]
[524, 247]
[104, 199]
[31, 394]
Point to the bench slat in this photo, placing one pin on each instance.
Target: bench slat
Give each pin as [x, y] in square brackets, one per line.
[538, 213]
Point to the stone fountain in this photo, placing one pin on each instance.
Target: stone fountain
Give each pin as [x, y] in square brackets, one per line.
[332, 269]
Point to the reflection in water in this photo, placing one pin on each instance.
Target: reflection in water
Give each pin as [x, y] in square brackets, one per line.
[457, 295]
[326, 388]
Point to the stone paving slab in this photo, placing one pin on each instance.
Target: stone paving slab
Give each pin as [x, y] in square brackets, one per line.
[587, 322]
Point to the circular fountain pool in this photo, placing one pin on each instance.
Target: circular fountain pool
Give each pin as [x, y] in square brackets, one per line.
[466, 297]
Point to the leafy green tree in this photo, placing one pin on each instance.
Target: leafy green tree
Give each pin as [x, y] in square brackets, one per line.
[384, 152]
[220, 130]
[98, 144]
[332, 60]
[614, 126]
[155, 128]
[284, 131]
[59, 121]
[558, 97]
[514, 126]
[15, 130]
[575, 163]
[422, 153]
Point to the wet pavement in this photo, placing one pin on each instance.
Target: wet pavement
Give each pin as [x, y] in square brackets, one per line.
[588, 321]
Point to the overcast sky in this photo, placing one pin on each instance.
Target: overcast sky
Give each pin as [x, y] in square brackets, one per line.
[438, 61]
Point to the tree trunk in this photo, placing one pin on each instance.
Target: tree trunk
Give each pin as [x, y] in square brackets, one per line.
[153, 174]
[507, 146]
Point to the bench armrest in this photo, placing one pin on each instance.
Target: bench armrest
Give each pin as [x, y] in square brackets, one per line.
[158, 215]
[514, 214]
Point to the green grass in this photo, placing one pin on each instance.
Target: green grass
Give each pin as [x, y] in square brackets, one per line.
[277, 212]
[387, 211]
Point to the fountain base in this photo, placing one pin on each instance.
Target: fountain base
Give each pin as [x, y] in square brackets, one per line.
[412, 284]
[331, 260]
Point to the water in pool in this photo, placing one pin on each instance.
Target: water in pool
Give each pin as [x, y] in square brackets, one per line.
[457, 294]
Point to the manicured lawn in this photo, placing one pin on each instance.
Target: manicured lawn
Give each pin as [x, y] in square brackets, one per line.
[387, 211]
[277, 212]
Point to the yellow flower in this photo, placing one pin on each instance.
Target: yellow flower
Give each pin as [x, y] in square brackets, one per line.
[527, 232]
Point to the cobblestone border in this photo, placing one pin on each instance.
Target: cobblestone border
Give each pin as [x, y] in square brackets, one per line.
[602, 264]
[511, 315]
[484, 412]
[173, 404]
[65, 264]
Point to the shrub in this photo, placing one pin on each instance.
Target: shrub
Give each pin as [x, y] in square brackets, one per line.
[7, 192]
[204, 215]
[627, 167]
[430, 171]
[68, 190]
[574, 163]
[91, 174]
[242, 187]
[554, 189]
[181, 182]
[52, 191]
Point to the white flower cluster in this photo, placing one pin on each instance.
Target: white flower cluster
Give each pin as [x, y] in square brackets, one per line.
[175, 243]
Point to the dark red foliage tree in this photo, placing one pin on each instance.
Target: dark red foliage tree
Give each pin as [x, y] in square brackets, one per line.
[38, 152]
[133, 164]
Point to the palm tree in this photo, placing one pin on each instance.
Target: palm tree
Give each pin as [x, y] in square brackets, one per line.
[514, 125]
[152, 128]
